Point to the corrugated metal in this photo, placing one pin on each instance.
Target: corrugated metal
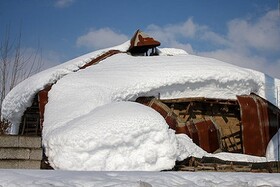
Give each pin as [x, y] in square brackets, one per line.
[202, 132]
[245, 126]
[259, 123]
[208, 135]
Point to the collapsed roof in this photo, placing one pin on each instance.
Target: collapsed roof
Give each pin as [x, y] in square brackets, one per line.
[122, 77]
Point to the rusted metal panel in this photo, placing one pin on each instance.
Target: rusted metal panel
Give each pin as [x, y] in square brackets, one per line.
[203, 132]
[171, 121]
[259, 123]
[208, 135]
[245, 126]
[166, 112]
[43, 100]
[159, 108]
[140, 39]
[252, 139]
[101, 57]
[182, 130]
[141, 43]
[193, 133]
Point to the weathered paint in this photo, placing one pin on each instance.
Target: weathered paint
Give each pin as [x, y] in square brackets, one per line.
[100, 58]
[255, 122]
[208, 135]
[260, 122]
[43, 100]
[202, 132]
[141, 42]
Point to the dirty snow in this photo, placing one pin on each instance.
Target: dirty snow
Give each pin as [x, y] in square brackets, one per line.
[81, 101]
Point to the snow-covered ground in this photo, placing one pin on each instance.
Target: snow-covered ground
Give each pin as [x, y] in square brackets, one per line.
[90, 123]
[38, 178]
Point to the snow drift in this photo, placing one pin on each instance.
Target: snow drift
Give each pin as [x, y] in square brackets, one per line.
[130, 137]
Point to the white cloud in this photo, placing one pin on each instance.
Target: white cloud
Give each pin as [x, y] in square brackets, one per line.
[172, 35]
[187, 47]
[214, 38]
[236, 58]
[262, 34]
[101, 38]
[248, 43]
[63, 3]
[251, 43]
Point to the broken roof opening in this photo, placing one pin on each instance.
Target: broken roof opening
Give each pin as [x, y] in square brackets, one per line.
[141, 43]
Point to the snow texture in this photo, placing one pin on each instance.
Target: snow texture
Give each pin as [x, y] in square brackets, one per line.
[36, 178]
[91, 125]
[186, 148]
[273, 148]
[21, 97]
[117, 136]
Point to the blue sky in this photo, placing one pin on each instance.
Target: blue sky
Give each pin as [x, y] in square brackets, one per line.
[241, 32]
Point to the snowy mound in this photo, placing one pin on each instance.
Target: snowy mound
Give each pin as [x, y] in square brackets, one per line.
[84, 127]
[118, 136]
[124, 78]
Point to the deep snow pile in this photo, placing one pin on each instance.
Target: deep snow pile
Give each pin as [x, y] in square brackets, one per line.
[81, 102]
[130, 136]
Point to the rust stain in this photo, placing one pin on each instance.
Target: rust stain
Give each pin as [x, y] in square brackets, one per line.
[245, 125]
[259, 123]
[141, 42]
[206, 134]
[101, 57]
[43, 100]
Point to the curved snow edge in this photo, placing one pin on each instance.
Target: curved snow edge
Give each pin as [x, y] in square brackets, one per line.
[21, 96]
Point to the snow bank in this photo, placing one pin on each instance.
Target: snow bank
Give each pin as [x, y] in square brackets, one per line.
[36, 178]
[117, 136]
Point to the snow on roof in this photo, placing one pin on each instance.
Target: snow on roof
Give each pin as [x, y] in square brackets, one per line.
[81, 103]
[142, 40]
[21, 97]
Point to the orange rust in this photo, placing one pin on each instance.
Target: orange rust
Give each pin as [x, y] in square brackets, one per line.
[260, 122]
